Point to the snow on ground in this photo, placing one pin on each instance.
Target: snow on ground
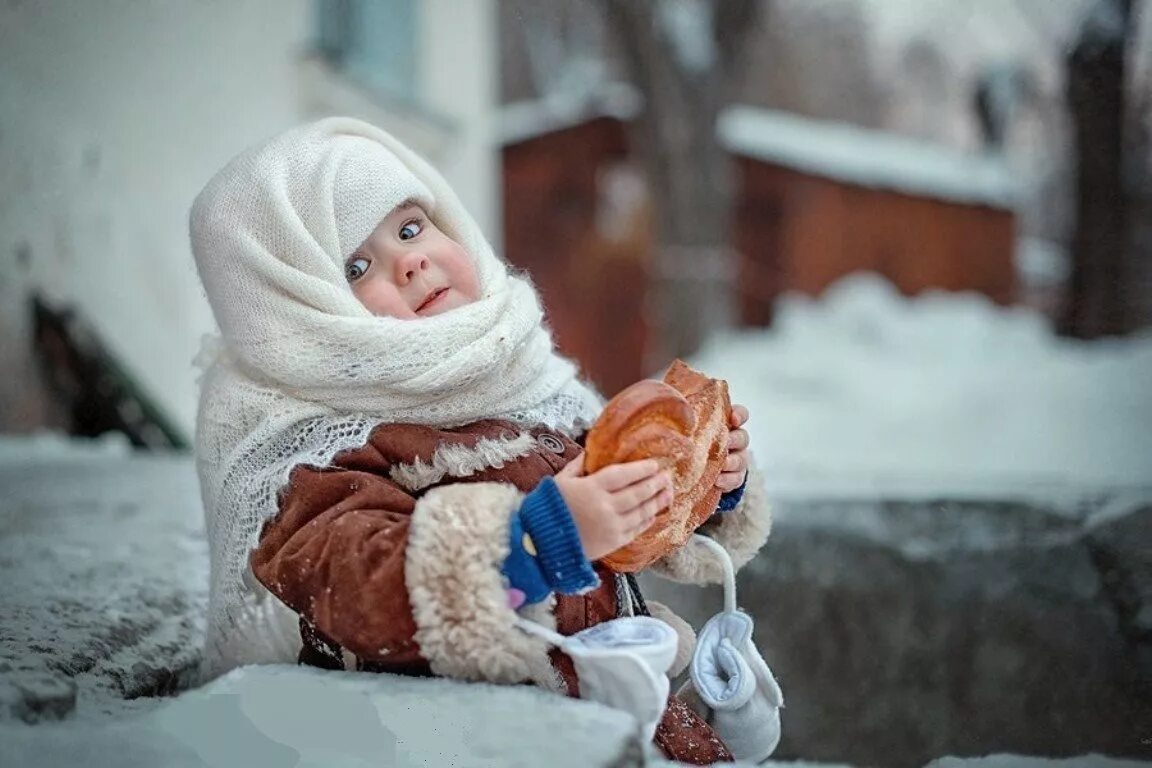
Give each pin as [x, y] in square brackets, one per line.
[53, 446]
[1024, 761]
[104, 567]
[284, 716]
[945, 393]
[292, 716]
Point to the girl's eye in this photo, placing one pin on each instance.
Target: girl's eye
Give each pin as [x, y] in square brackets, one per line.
[355, 269]
[410, 230]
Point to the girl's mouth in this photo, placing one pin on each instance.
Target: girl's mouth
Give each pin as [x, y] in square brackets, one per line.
[432, 298]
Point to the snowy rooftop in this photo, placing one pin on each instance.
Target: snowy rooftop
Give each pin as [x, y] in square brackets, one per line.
[866, 157]
[525, 120]
[838, 151]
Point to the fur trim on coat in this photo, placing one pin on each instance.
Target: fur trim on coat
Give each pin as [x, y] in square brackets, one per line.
[464, 625]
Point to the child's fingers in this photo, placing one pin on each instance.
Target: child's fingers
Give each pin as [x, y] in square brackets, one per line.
[640, 493]
[574, 468]
[641, 518]
[642, 524]
[619, 476]
[738, 417]
[736, 462]
[730, 481]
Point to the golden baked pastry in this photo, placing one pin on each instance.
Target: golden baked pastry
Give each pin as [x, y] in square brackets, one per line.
[682, 422]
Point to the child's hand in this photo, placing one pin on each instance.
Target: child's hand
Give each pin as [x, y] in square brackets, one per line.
[615, 505]
[732, 476]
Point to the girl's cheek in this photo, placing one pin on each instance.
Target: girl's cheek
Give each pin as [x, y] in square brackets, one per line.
[382, 299]
[463, 272]
[471, 279]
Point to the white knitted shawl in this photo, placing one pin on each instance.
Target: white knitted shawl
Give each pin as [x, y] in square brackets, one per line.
[303, 370]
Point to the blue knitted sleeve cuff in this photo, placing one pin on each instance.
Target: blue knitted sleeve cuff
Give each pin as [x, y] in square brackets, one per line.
[548, 522]
[521, 569]
[729, 500]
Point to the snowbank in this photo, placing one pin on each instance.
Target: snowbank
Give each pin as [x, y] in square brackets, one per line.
[946, 393]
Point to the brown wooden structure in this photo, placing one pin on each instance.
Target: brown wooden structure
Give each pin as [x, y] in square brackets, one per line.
[592, 281]
[795, 229]
[800, 232]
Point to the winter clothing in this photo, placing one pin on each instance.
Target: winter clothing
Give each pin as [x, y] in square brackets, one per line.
[545, 517]
[729, 678]
[364, 476]
[404, 574]
[532, 575]
[556, 562]
[305, 371]
[622, 663]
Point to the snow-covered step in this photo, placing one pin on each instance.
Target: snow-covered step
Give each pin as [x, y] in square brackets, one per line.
[105, 572]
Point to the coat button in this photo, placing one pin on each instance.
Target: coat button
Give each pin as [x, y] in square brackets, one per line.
[551, 443]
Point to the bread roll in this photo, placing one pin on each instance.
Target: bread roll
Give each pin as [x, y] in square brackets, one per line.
[681, 422]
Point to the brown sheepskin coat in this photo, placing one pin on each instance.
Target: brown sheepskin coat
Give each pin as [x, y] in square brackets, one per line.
[392, 554]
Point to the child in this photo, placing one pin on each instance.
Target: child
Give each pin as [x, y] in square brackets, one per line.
[389, 446]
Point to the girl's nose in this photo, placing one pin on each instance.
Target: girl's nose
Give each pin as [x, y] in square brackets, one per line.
[408, 264]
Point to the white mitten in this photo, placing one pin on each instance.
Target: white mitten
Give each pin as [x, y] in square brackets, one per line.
[732, 679]
[622, 664]
[735, 683]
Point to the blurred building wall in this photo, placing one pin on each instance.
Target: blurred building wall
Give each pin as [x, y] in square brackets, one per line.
[446, 115]
[459, 57]
[113, 115]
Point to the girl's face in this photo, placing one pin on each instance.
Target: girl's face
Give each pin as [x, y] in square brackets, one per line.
[408, 268]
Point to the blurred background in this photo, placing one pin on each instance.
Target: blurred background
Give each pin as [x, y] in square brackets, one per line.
[914, 235]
